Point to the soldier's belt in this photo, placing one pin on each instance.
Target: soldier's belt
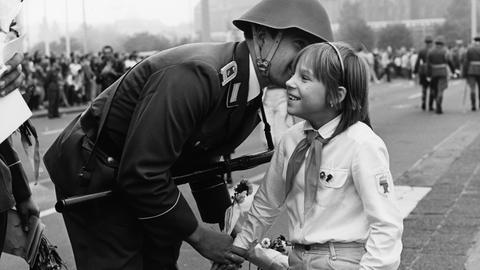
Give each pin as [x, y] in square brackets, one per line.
[439, 66]
[237, 164]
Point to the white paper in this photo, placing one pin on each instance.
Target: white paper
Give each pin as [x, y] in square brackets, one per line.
[14, 110]
[9, 9]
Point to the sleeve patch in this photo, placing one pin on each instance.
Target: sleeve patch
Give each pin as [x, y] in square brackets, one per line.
[384, 183]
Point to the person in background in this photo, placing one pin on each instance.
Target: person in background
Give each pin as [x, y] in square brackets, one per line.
[438, 63]
[471, 70]
[421, 69]
[53, 86]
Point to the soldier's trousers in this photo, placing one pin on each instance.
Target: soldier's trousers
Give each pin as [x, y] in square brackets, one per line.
[3, 229]
[105, 235]
[53, 102]
[473, 82]
[438, 85]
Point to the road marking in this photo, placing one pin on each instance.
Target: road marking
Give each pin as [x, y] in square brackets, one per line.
[53, 131]
[402, 106]
[414, 96]
[408, 197]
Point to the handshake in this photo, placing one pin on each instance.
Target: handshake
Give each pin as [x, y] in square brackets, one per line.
[218, 247]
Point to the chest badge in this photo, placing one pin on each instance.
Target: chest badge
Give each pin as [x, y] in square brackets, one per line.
[229, 72]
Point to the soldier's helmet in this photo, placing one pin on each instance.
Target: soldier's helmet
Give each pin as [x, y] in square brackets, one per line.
[440, 40]
[306, 15]
[428, 39]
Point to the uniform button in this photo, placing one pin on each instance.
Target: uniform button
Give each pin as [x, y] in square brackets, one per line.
[110, 160]
[196, 143]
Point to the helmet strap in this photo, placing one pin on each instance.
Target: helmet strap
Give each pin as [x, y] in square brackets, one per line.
[263, 64]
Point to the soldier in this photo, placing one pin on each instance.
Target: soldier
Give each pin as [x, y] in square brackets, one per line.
[471, 70]
[421, 70]
[437, 68]
[179, 110]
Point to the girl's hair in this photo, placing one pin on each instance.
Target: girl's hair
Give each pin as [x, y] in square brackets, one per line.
[324, 62]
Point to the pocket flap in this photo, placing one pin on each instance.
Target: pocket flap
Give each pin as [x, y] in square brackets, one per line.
[333, 178]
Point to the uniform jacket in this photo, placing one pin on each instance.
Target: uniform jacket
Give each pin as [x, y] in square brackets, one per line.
[473, 54]
[13, 181]
[173, 113]
[421, 63]
[438, 56]
[356, 204]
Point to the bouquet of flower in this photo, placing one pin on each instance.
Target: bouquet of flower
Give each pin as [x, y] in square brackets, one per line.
[32, 246]
[270, 254]
[279, 244]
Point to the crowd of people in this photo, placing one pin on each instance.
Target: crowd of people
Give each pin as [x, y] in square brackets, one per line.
[75, 80]
[400, 63]
[60, 81]
[436, 64]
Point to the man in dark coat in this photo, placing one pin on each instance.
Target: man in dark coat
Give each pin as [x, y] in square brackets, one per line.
[471, 70]
[14, 188]
[421, 70]
[437, 65]
[178, 111]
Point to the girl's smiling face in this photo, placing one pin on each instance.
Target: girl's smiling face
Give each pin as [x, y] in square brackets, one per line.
[306, 95]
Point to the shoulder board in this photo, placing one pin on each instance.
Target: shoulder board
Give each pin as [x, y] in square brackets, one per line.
[229, 72]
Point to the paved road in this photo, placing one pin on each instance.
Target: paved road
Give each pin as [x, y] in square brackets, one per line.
[412, 136]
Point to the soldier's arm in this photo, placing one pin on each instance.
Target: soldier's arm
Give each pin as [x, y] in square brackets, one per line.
[173, 102]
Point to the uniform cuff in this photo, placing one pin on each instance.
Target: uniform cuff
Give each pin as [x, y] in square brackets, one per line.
[179, 219]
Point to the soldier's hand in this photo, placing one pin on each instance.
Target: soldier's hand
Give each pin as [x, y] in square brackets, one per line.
[12, 76]
[213, 245]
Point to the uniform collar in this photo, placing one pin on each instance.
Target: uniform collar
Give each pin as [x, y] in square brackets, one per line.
[326, 131]
[253, 84]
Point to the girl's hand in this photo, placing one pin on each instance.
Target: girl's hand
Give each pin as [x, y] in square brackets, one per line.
[12, 76]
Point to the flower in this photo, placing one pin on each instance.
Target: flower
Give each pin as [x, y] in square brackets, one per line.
[279, 244]
[265, 243]
[241, 191]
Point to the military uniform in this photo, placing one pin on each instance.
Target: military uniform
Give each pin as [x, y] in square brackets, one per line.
[437, 68]
[471, 70]
[174, 112]
[421, 69]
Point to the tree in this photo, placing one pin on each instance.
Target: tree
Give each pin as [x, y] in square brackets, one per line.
[353, 28]
[146, 42]
[396, 36]
[458, 22]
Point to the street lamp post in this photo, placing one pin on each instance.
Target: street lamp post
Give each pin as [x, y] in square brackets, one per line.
[474, 18]
[67, 34]
[85, 36]
[46, 39]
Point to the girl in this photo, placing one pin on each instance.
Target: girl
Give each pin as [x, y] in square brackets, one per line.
[339, 200]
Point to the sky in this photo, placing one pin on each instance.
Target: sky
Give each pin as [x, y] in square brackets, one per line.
[169, 12]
